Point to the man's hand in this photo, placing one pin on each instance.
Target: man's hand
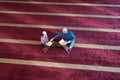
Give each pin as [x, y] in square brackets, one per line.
[51, 40]
[68, 42]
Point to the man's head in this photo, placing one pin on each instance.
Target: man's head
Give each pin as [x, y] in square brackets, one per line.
[64, 30]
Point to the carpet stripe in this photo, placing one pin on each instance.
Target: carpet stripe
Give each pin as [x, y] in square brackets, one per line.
[59, 65]
[60, 21]
[59, 9]
[58, 27]
[15, 72]
[61, 3]
[84, 37]
[60, 14]
[20, 41]
[76, 45]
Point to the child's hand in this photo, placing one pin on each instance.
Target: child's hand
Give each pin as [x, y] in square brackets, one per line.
[49, 43]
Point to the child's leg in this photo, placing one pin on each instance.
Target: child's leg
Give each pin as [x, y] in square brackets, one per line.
[45, 49]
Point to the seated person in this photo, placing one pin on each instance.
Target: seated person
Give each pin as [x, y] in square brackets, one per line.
[44, 38]
[45, 42]
[69, 38]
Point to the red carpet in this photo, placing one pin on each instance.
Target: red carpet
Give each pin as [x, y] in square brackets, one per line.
[43, 73]
[60, 9]
[78, 55]
[60, 21]
[85, 56]
[88, 37]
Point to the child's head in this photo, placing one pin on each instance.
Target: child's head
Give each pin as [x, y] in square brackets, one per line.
[44, 33]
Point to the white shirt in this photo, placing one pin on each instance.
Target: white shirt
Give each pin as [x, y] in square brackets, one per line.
[44, 39]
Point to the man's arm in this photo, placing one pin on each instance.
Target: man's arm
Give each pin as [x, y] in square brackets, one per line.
[56, 36]
[73, 37]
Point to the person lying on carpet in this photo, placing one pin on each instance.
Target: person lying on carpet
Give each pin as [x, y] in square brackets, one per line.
[68, 40]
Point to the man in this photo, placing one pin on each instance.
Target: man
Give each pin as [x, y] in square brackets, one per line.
[69, 38]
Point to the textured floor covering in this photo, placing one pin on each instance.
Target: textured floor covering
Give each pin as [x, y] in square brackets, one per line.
[87, 56]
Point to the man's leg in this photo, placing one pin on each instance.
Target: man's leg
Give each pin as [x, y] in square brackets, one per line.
[66, 48]
[71, 44]
[54, 44]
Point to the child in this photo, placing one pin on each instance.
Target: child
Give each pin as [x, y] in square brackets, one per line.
[44, 38]
[45, 41]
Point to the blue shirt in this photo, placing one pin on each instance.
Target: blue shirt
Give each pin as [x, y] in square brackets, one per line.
[69, 36]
